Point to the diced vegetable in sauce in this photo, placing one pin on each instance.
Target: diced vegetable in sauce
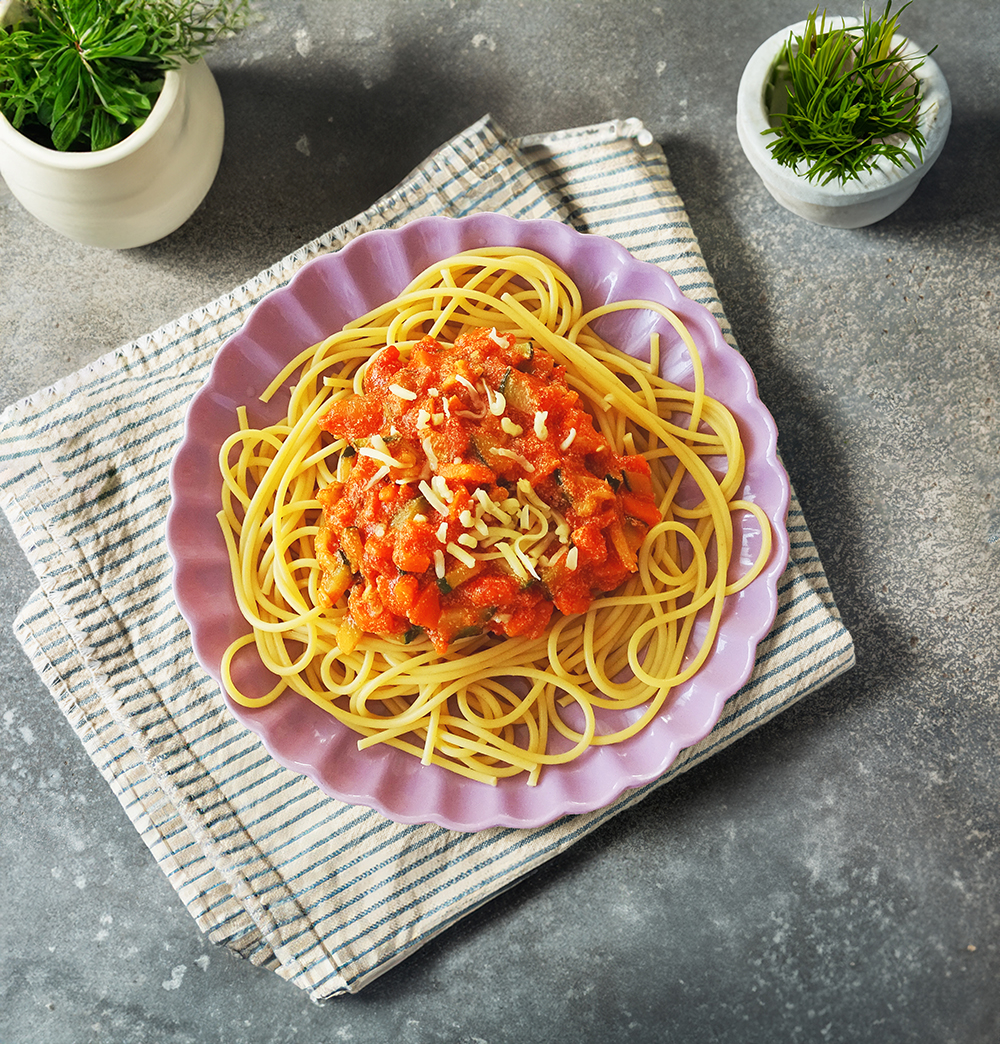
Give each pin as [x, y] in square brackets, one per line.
[479, 496]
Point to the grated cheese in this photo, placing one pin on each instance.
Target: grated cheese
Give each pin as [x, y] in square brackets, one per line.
[502, 451]
[429, 453]
[377, 477]
[473, 390]
[461, 554]
[432, 498]
[441, 487]
[380, 455]
[497, 401]
[515, 563]
[525, 561]
[492, 508]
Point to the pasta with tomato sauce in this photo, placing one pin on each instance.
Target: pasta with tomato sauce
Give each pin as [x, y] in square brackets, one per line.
[467, 538]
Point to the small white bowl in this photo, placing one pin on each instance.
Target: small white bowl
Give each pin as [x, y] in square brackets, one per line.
[137, 191]
[857, 202]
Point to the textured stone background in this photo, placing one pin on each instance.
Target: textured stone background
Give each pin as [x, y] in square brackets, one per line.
[834, 876]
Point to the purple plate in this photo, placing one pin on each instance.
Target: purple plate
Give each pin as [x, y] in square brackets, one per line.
[323, 295]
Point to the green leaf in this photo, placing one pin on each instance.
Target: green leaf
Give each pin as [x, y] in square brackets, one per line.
[846, 91]
[65, 96]
[104, 131]
[123, 46]
[66, 129]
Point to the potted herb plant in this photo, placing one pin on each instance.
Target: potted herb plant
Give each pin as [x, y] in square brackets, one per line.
[111, 123]
[841, 119]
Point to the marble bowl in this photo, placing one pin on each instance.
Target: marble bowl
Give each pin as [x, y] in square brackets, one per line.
[857, 202]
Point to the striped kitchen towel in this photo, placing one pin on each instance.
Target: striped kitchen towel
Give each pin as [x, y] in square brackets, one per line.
[326, 894]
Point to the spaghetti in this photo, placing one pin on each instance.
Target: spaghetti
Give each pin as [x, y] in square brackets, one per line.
[493, 700]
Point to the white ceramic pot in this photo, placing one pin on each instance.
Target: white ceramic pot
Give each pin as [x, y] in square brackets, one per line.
[857, 202]
[137, 191]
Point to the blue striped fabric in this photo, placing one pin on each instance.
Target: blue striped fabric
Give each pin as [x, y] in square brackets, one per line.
[327, 895]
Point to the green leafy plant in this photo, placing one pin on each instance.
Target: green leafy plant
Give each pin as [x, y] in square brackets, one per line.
[83, 74]
[840, 98]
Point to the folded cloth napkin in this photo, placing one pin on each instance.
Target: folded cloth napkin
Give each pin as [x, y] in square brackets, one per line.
[326, 894]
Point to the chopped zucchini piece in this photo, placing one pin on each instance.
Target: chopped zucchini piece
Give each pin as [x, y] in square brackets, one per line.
[517, 389]
[407, 511]
[525, 351]
[483, 444]
[458, 574]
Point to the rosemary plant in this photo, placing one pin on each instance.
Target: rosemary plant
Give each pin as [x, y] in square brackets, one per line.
[843, 98]
[83, 74]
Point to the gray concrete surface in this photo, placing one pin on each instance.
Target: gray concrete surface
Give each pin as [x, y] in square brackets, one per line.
[835, 876]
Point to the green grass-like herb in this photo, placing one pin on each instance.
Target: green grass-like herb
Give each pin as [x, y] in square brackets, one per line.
[848, 91]
[83, 74]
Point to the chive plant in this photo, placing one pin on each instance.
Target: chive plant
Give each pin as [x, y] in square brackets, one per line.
[81, 75]
[843, 98]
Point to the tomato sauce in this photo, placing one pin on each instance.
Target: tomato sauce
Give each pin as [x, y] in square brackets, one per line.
[480, 496]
